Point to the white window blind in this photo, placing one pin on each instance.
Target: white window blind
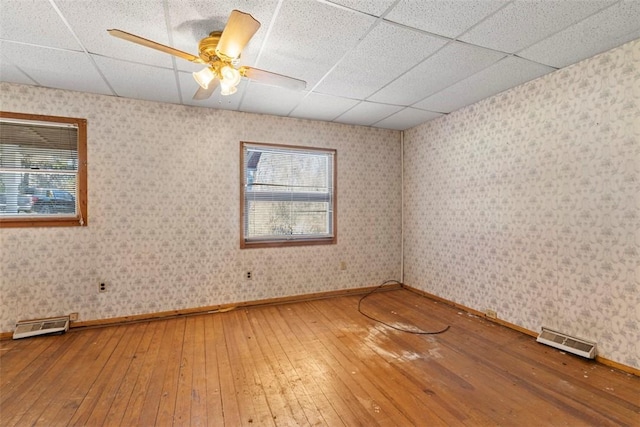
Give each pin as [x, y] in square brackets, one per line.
[288, 193]
[38, 168]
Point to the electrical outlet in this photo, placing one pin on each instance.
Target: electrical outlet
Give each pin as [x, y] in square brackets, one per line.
[248, 275]
[102, 287]
[73, 317]
[343, 265]
[491, 314]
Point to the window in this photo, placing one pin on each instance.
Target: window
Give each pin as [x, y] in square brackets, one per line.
[43, 172]
[287, 195]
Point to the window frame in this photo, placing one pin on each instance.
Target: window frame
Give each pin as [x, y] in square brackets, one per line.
[81, 217]
[297, 241]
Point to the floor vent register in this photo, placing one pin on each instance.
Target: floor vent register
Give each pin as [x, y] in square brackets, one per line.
[31, 328]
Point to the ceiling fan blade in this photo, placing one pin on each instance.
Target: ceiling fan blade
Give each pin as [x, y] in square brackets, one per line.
[235, 36]
[269, 78]
[153, 45]
[202, 94]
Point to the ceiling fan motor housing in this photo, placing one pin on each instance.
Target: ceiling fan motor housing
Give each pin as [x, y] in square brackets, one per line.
[207, 47]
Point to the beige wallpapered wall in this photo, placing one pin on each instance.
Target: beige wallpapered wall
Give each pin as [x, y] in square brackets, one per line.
[528, 203]
[164, 206]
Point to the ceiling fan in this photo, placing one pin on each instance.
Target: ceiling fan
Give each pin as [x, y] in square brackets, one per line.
[220, 52]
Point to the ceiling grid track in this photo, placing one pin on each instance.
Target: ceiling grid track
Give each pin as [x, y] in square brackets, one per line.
[347, 52]
[86, 52]
[176, 73]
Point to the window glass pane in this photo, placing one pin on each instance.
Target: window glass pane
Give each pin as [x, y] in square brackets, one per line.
[38, 194]
[287, 193]
[282, 219]
[293, 172]
[40, 169]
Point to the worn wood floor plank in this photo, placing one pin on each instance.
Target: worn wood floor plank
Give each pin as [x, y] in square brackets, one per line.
[64, 397]
[289, 380]
[199, 381]
[123, 396]
[544, 381]
[383, 342]
[429, 353]
[184, 394]
[250, 391]
[17, 366]
[304, 352]
[169, 395]
[229, 409]
[475, 373]
[283, 407]
[115, 375]
[151, 402]
[374, 373]
[29, 402]
[100, 395]
[21, 369]
[149, 362]
[534, 386]
[212, 376]
[362, 397]
[450, 380]
[305, 372]
[309, 363]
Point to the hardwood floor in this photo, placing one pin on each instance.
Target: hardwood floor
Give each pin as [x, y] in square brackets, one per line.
[309, 363]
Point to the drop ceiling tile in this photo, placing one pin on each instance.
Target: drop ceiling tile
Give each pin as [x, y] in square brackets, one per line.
[406, 119]
[263, 99]
[188, 87]
[309, 37]
[367, 113]
[139, 81]
[509, 72]
[192, 20]
[375, 8]
[188, 67]
[56, 68]
[10, 73]
[605, 30]
[454, 62]
[35, 22]
[145, 19]
[317, 106]
[339, 43]
[521, 24]
[365, 70]
[447, 18]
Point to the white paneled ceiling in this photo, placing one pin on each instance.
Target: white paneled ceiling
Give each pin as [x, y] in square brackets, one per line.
[386, 63]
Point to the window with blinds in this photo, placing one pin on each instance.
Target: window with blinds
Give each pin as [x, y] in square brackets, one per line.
[42, 170]
[288, 195]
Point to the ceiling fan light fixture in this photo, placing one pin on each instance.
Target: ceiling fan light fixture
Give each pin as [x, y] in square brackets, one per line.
[204, 77]
[226, 90]
[230, 76]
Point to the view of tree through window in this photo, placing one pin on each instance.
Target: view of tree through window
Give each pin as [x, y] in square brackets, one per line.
[287, 194]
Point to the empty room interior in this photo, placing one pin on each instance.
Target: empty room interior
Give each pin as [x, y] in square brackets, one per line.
[320, 212]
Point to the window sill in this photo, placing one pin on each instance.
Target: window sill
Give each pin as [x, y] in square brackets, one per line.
[286, 243]
[31, 221]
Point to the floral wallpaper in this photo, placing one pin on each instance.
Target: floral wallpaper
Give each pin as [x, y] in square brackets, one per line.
[164, 228]
[528, 203]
